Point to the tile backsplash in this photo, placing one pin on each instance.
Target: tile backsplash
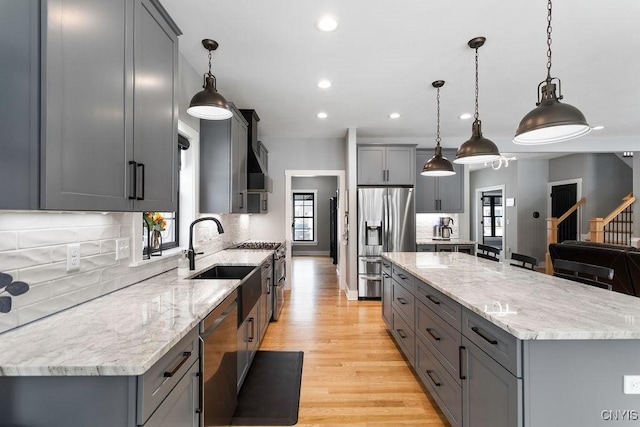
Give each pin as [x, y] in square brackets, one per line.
[33, 249]
[425, 223]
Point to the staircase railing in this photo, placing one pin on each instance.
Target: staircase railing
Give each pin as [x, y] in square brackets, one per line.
[617, 227]
[552, 231]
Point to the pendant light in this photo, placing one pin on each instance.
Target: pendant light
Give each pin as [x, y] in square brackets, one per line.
[477, 149]
[438, 165]
[208, 104]
[551, 121]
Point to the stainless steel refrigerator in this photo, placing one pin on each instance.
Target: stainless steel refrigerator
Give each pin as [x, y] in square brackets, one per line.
[386, 223]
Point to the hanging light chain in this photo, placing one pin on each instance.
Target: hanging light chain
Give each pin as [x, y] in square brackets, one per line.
[438, 117]
[549, 41]
[209, 61]
[475, 115]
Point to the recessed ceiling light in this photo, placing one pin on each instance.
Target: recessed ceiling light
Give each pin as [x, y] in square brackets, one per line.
[394, 115]
[327, 24]
[465, 116]
[324, 84]
[598, 127]
[322, 115]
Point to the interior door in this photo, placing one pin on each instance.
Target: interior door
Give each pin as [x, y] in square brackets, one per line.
[562, 198]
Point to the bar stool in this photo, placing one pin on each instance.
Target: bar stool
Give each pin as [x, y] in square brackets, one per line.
[525, 261]
[488, 252]
[588, 274]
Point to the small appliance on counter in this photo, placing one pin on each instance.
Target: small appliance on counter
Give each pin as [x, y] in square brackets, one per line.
[442, 231]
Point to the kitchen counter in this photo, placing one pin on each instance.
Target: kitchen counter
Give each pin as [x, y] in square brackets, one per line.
[452, 241]
[125, 332]
[527, 304]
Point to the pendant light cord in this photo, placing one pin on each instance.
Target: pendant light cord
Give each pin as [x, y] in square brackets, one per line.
[209, 62]
[549, 41]
[475, 115]
[438, 117]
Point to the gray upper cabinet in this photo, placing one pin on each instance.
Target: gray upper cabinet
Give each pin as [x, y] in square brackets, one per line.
[439, 194]
[223, 165]
[98, 130]
[386, 165]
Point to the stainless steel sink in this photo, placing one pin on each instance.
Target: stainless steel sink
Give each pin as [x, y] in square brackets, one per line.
[226, 272]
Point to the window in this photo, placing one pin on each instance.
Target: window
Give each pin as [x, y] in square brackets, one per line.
[304, 216]
[492, 216]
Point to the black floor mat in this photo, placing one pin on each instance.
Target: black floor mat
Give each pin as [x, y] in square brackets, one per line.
[270, 394]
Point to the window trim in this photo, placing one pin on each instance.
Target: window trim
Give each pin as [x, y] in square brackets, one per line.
[315, 217]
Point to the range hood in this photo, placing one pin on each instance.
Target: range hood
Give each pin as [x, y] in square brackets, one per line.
[258, 179]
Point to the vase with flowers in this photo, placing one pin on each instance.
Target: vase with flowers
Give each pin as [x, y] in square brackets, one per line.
[155, 223]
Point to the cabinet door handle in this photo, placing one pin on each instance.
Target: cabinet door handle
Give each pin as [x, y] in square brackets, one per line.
[435, 383]
[435, 337]
[200, 383]
[185, 357]
[134, 180]
[401, 333]
[462, 351]
[240, 200]
[141, 165]
[264, 205]
[402, 301]
[251, 337]
[384, 175]
[433, 300]
[484, 337]
[402, 276]
[268, 285]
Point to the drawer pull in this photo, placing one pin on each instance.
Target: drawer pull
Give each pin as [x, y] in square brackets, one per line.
[433, 300]
[385, 265]
[402, 301]
[401, 333]
[462, 351]
[185, 357]
[402, 276]
[435, 383]
[435, 337]
[486, 338]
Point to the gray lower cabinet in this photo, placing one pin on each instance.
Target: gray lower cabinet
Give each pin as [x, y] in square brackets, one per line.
[92, 110]
[152, 399]
[446, 247]
[248, 342]
[386, 164]
[223, 164]
[387, 295]
[439, 194]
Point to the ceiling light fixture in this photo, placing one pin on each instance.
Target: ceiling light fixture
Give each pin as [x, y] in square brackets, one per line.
[324, 84]
[465, 116]
[497, 164]
[208, 104]
[322, 115]
[477, 149]
[438, 165]
[394, 115]
[551, 121]
[327, 24]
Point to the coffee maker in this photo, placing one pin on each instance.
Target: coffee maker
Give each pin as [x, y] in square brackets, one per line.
[442, 231]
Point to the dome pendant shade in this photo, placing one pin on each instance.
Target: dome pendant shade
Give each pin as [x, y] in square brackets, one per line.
[477, 149]
[208, 104]
[438, 165]
[551, 121]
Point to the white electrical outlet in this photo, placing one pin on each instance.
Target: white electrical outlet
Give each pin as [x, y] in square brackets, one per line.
[632, 384]
[73, 257]
[122, 248]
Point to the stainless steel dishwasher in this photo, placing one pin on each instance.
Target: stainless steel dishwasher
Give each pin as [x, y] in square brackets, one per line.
[219, 363]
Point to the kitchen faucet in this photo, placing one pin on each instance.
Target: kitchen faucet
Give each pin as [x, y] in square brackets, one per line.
[191, 253]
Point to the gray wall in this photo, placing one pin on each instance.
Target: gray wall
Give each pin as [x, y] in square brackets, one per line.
[326, 187]
[532, 197]
[292, 154]
[189, 83]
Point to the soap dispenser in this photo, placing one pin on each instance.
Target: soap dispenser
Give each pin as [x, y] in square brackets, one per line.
[183, 264]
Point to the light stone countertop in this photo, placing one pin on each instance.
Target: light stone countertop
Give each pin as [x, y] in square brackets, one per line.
[122, 333]
[452, 241]
[527, 304]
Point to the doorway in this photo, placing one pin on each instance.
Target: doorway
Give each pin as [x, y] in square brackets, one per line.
[565, 194]
[490, 217]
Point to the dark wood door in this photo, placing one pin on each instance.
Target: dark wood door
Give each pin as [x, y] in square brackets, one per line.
[562, 198]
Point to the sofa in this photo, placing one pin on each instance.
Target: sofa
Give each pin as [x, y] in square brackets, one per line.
[624, 260]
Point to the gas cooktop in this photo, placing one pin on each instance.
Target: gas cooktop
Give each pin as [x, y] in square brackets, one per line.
[258, 245]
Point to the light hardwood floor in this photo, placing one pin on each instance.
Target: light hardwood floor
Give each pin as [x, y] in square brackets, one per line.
[353, 374]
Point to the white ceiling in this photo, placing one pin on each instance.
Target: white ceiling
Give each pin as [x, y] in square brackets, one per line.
[385, 54]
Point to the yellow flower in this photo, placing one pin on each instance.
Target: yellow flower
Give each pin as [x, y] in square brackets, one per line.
[154, 221]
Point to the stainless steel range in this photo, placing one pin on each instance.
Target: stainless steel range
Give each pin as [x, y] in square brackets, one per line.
[279, 271]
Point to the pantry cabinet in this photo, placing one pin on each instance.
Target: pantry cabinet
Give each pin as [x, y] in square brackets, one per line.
[98, 127]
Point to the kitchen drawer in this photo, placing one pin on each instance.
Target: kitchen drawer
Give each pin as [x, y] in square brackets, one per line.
[155, 384]
[386, 266]
[442, 339]
[403, 302]
[441, 304]
[442, 386]
[497, 343]
[401, 276]
[405, 337]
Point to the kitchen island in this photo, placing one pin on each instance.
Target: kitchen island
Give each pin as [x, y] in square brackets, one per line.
[497, 345]
[98, 356]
